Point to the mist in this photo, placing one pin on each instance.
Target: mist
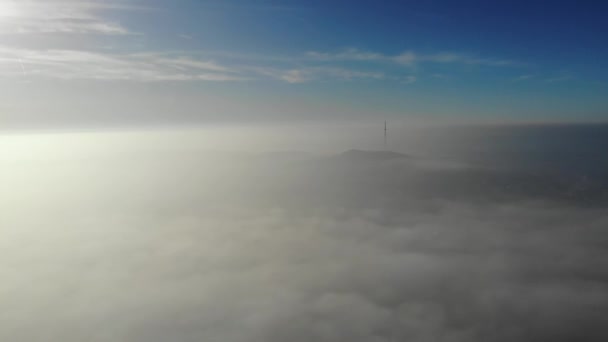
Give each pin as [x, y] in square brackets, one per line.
[307, 233]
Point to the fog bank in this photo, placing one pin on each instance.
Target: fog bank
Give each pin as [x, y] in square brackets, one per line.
[117, 237]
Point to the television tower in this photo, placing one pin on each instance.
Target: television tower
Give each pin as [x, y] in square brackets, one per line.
[385, 136]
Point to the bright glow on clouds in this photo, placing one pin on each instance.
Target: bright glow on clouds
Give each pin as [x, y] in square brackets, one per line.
[60, 17]
[9, 8]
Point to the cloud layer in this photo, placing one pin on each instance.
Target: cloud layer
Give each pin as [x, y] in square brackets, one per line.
[103, 245]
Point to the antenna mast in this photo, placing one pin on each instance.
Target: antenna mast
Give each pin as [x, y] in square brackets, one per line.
[385, 136]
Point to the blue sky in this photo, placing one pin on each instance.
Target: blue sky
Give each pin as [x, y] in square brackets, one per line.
[185, 61]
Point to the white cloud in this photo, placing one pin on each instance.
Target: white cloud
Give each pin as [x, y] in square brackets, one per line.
[62, 17]
[179, 246]
[523, 78]
[186, 63]
[410, 79]
[184, 66]
[466, 59]
[409, 58]
[406, 58]
[326, 73]
[565, 76]
[73, 64]
[148, 67]
[440, 76]
[347, 55]
[295, 76]
[71, 27]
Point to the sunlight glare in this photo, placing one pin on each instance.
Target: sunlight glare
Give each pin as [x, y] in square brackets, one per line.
[9, 8]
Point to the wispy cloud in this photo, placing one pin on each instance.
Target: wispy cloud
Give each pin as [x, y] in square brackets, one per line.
[523, 78]
[62, 17]
[155, 66]
[410, 58]
[71, 26]
[295, 76]
[449, 57]
[71, 65]
[315, 74]
[409, 79]
[560, 78]
[151, 67]
[440, 76]
[309, 74]
[346, 55]
[406, 58]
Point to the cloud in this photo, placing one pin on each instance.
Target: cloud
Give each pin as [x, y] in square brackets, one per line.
[62, 17]
[73, 65]
[191, 66]
[295, 76]
[466, 59]
[523, 78]
[186, 63]
[71, 27]
[186, 247]
[410, 79]
[347, 55]
[440, 76]
[561, 78]
[410, 58]
[150, 67]
[406, 58]
[316, 73]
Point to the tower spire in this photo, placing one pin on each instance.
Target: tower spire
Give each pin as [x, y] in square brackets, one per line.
[385, 136]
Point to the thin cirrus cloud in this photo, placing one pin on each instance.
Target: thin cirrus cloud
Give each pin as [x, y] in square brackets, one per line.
[62, 17]
[409, 58]
[347, 55]
[74, 65]
[158, 67]
[89, 18]
[564, 76]
[55, 17]
[318, 73]
[523, 78]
